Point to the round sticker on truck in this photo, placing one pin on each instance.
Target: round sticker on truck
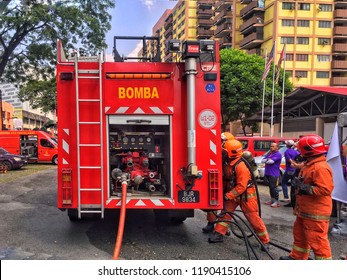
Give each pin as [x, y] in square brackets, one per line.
[207, 119]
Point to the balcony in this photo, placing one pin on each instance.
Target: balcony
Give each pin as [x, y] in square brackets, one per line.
[251, 41]
[222, 5]
[339, 48]
[252, 22]
[340, 31]
[339, 65]
[256, 51]
[204, 33]
[250, 9]
[168, 22]
[205, 23]
[168, 33]
[222, 16]
[225, 42]
[338, 81]
[168, 57]
[223, 29]
[340, 14]
[205, 4]
[204, 14]
[340, 4]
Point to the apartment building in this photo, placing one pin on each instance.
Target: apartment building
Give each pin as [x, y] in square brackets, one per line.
[314, 32]
[17, 114]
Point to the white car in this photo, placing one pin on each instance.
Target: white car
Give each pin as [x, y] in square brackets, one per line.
[261, 165]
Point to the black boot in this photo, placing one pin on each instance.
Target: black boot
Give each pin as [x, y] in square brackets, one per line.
[287, 258]
[216, 237]
[288, 205]
[208, 228]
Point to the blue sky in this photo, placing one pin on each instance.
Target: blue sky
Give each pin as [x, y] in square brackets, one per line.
[134, 18]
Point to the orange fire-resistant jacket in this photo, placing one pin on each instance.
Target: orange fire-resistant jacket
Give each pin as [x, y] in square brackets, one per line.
[318, 206]
[243, 176]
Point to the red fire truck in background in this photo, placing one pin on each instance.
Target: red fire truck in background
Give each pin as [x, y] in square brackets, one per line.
[156, 124]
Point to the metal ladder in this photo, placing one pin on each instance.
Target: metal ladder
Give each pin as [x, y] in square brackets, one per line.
[94, 74]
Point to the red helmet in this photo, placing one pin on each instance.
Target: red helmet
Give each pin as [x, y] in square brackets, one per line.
[233, 148]
[311, 145]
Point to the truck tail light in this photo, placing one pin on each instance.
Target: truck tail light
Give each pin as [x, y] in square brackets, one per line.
[213, 186]
[67, 186]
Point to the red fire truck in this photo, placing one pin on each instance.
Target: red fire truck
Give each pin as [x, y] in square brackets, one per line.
[156, 124]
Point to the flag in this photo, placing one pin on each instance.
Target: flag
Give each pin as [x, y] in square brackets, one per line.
[268, 64]
[334, 160]
[278, 67]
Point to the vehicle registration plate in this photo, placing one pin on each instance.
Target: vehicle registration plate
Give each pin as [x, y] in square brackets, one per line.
[188, 196]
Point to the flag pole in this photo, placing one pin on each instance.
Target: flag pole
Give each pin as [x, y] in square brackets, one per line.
[273, 93]
[263, 102]
[283, 82]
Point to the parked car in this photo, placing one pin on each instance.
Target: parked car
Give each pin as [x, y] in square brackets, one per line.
[261, 165]
[12, 161]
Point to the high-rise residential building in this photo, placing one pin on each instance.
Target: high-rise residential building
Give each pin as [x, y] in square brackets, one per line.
[313, 31]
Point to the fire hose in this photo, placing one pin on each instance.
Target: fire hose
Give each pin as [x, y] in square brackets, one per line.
[121, 222]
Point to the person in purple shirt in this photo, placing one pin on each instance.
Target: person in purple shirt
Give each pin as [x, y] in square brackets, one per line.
[289, 173]
[272, 172]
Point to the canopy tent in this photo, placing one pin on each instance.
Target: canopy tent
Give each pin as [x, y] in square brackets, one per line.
[307, 102]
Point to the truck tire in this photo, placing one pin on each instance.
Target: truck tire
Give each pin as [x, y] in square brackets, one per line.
[163, 216]
[73, 215]
[55, 160]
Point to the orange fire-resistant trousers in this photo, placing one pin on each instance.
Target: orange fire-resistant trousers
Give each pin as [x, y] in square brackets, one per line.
[250, 210]
[310, 234]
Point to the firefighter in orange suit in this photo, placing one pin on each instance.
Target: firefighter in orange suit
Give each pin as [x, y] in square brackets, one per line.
[241, 192]
[211, 215]
[313, 206]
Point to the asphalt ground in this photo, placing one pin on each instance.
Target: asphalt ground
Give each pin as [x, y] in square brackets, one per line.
[33, 228]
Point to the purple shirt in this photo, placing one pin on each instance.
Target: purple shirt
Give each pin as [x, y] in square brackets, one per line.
[290, 154]
[273, 169]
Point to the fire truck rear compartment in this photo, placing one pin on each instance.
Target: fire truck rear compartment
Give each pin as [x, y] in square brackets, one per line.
[139, 147]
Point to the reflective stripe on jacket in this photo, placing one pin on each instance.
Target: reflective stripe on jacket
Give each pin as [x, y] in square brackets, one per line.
[318, 206]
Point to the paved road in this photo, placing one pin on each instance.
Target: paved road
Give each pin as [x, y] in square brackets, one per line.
[33, 228]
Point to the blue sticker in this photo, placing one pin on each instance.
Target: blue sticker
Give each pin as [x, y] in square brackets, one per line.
[210, 88]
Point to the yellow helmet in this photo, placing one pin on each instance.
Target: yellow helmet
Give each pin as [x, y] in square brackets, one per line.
[227, 136]
[233, 148]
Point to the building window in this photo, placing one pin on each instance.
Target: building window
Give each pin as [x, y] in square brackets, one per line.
[324, 24]
[302, 40]
[303, 23]
[287, 40]
[305, 7]
[289, 57]
[287, 22]
[302, 57]
[288, 6]
[290, 73]
[323, 58]
[324, 41]
[325, 7]
[301, 74]
[322, 74]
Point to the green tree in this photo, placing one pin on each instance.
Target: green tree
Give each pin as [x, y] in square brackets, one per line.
[28, 41]
[242, 89]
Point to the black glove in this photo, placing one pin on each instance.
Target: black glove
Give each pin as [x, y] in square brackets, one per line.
[302, 188]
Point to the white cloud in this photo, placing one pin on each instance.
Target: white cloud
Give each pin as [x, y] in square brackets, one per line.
[148, 3]
[134, 52]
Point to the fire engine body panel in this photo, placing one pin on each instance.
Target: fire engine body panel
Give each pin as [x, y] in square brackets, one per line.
[132, 118]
